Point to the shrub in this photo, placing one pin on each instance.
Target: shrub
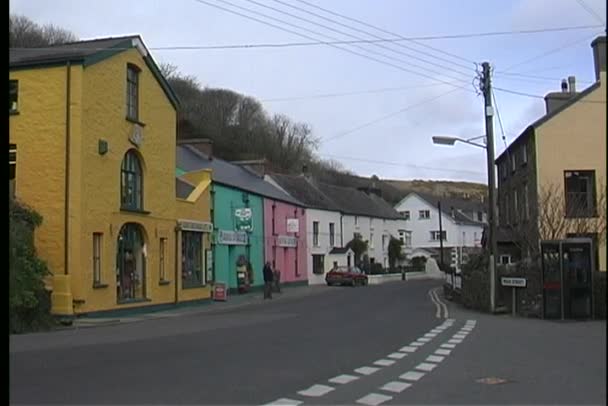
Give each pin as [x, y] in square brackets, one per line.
[29, 302]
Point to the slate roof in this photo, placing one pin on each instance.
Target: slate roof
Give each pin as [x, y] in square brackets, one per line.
[339, 250]
[459, 205]
[228, 174]
[303, 190]
[355, 202]
[86, 52]
[182, 188]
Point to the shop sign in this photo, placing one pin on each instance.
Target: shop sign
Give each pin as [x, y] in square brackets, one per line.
[197, 226]
[243, 219]
[220, 292]
[227, 237]
[293, 225]
[287, 241]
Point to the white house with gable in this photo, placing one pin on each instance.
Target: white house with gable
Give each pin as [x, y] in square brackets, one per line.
[460, 228]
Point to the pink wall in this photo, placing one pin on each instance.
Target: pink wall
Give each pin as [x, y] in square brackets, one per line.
[285, 257]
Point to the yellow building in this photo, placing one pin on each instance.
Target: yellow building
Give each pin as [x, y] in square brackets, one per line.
[95, 124]
[552, 181]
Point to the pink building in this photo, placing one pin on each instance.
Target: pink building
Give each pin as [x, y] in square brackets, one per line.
[285, 240]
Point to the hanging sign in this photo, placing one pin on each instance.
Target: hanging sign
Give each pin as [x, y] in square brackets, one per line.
[243, 219]
[293, 226]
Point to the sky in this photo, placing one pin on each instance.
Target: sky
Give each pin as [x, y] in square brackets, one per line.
[420, 91]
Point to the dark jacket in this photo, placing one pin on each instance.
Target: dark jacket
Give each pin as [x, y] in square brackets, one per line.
[268, 275]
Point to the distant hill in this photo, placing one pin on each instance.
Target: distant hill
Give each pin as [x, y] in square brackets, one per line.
[440, 188]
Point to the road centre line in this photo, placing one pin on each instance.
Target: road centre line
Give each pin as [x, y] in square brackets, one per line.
[374, 399]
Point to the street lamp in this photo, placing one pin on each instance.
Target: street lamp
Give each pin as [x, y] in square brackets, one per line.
[445, 140]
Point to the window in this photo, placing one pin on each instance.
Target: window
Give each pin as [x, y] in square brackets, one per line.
[505, 259]
[192, 259]
[513, 162]
[524, 155]
[356, 220]
[384, 242]
[504, 169]
[97, 244]
[406, 215]
[424, 214]
[161, 259]
[357, 236]
[435, 235]
[315, 233]
[13, 96]
[580, 193]
[318, 264]
[515, 207]
[131, 182]
[133, 92]
[479, 216]
[526, 207]
[408, 239]
[332, 232]
[371, 240]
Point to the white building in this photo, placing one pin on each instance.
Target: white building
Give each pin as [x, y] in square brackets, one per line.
[334, 215]
[462, 223]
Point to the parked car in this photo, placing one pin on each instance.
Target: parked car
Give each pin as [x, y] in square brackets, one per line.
[346, 275]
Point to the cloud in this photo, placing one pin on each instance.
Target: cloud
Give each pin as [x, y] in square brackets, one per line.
[554, 13]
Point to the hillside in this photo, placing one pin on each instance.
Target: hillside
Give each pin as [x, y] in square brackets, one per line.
[440, 187]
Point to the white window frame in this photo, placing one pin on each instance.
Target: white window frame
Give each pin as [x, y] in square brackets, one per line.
[424, 214]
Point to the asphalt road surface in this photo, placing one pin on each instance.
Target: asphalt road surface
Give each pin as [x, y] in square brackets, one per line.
[376, 345]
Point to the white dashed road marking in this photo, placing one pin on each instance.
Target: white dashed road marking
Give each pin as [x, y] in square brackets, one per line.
[423, 340]
[384, 362]
[284, 402]
[412, 376]
[425, 366]
[430, 335]
[396, 386]
[448, 345]
[417, 344]
[342, 379]
[434, 358]
[455, 341]
[397, 355]
[366, 370]
[316, 390]
[460, 336]
[374, 399]
[441, 351]
[407, 348]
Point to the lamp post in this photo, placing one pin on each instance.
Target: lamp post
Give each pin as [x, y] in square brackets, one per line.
[489, 147]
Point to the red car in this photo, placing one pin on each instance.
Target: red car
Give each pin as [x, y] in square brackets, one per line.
[345, 275]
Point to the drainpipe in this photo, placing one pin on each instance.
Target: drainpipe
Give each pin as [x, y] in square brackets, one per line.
[175, 276]
[341, 230]
[68, 101]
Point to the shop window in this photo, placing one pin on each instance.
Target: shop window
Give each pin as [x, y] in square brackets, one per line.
[131, 264]
[192, 259]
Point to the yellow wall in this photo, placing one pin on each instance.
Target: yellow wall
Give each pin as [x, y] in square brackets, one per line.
[98, 111]
[575, 139]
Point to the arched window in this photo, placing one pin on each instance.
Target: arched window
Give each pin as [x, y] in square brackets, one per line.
[131, 182]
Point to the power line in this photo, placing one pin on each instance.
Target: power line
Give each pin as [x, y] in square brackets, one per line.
[387, 116]
[502, 129]
[312, 38]
[359, 38]
[590, 11]
[388, 163]
[467, 67]
[59, 48]
[538, 78]
[351, 93]
[547, 53]
[542, 97]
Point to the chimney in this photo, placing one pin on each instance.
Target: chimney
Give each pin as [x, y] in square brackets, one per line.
[599, 55]
[571, 84]
[257, 166]
[564, 86]
[204, 145]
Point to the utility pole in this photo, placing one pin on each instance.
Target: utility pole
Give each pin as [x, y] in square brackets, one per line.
[440, 235]
[486, 88]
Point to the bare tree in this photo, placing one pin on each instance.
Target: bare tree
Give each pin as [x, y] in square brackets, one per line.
[553, 219]
[25, 33]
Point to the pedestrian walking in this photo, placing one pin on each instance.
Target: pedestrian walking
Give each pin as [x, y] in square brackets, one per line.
[268, 279]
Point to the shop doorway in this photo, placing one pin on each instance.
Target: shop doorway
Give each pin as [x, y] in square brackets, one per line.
[130, 264]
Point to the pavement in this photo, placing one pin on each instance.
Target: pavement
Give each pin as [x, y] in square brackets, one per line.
[396, 343]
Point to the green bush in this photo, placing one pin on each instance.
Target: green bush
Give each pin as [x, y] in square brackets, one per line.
[29, 302]
[376, 269]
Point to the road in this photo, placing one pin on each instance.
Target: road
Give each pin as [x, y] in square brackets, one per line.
[388, 344]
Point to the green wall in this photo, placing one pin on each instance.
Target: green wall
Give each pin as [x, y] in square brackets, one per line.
[225, 201]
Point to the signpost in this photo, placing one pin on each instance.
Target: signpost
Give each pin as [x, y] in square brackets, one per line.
[513, 283]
